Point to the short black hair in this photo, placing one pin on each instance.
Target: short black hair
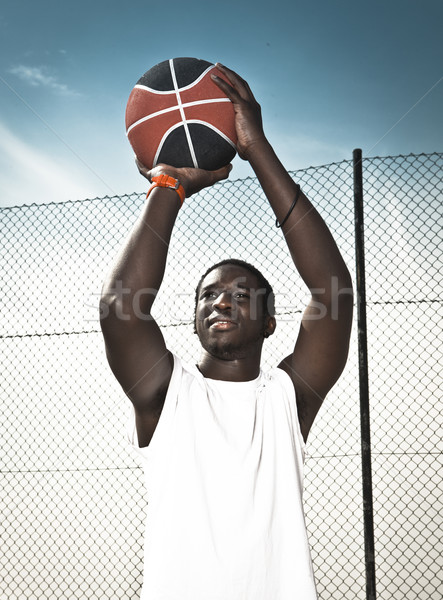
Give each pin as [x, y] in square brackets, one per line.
[268, 298]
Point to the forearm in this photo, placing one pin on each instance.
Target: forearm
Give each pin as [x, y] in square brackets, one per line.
[312, 247]
[135, 279]
[139, 268]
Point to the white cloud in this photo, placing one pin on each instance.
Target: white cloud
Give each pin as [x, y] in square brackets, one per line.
[28, 175]
[38, 76]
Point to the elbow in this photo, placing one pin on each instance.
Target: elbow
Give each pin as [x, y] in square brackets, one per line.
[342, 297]
[344, 279]
[111, 311]
[341, 284]
[337, 298]
[120, 308]
[342, 288]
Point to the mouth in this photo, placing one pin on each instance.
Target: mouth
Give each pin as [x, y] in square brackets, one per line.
[221, 324]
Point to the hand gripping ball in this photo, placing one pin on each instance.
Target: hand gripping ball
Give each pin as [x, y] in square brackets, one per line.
[177, 115]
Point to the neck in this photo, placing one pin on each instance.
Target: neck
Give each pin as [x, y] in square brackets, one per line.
[240, 369]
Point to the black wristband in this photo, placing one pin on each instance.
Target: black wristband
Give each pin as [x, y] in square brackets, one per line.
[297, 193]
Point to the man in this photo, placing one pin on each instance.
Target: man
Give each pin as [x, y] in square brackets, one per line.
[222, 442]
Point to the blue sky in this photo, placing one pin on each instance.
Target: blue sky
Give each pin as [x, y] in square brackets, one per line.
[331, 75]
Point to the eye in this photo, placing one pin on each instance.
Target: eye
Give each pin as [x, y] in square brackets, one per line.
[208, 294]
[241, 295]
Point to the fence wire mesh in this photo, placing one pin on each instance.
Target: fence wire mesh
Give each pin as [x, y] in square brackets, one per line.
[404, 200]
[73, 502]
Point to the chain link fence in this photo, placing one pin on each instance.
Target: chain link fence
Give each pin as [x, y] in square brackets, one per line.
[73, 501]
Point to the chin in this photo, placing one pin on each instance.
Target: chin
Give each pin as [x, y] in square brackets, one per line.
[225, 351]
[229, 350]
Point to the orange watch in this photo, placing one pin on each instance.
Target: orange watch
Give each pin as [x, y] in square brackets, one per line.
[166, 181]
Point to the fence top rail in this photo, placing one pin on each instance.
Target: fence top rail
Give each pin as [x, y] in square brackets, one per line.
[232, 181]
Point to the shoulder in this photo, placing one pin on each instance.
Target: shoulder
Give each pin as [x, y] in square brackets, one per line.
[180, 385]
[283, 402]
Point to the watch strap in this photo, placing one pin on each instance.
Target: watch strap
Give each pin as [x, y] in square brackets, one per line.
[166, 181]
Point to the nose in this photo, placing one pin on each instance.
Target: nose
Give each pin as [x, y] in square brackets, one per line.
[223, 301]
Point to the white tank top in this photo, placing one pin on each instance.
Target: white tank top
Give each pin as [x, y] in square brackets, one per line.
[224, 480]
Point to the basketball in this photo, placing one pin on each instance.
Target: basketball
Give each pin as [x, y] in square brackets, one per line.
[177, 115]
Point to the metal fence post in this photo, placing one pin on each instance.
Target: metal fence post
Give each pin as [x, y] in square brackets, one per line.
[368, 516]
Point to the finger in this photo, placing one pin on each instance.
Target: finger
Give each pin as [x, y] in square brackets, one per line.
[203, 179]
[237, 82]
[143, 170]
[230, 91]
[222, 173]
[230, 74]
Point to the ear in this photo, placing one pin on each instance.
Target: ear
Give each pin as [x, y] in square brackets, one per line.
[270, 326]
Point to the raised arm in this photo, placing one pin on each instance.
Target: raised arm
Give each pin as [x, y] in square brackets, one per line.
[135, 347]
[321, 348]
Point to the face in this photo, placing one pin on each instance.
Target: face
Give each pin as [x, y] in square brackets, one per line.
[230, 317]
